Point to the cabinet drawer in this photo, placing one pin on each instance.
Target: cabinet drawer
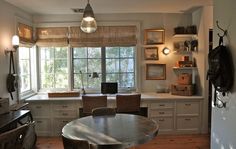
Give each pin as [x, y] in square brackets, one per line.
[185, 108]
[40, 110]
[161, 105]
[42, 125]
[165, 123]
[187, 123]
[64, 106]
[59, 124]
[160, 112]
[65, 113]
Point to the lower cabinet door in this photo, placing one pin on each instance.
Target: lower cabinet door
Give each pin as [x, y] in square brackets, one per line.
[59, 124]
[188, 124]
[43, 126]
[166, 124]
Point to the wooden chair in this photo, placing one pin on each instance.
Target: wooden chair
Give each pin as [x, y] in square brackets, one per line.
[103, 111]
[128, 103]
[14, 138]
[91, 102]
[76, 144]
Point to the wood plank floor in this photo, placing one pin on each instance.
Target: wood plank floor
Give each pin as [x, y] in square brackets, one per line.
[160, 142]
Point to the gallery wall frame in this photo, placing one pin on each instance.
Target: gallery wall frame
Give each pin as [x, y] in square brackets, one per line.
[154, 36]
[155, 71]
[151, 53]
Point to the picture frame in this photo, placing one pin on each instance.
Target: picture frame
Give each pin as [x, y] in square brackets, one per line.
[154, 36]
[151, 53]
[155, 71]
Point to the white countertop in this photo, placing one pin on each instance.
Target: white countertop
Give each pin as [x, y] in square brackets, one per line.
[144, 96]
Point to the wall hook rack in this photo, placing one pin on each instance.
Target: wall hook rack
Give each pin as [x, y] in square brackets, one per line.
[223, 30]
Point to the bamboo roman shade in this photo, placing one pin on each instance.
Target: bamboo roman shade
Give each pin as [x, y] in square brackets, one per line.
[25, 33]
[104, 36]
[52, 36]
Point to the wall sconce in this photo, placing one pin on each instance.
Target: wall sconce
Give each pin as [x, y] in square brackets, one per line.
[166, 51]
[15, 44]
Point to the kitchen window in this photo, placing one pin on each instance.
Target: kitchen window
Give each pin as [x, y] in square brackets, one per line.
[113, 64]
[53, 68]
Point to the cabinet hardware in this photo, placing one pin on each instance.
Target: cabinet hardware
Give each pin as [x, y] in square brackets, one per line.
[64, 114]
[188, 119]
[161, 112]
[39, 121]
[38, 107]
[187, 104]
[161, 120]
[162, 105]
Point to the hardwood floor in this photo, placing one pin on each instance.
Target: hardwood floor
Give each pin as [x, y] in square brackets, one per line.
[160, 142]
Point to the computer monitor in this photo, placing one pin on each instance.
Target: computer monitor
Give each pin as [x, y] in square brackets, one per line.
[109, 87]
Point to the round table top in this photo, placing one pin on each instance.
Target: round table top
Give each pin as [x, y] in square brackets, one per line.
[124, 130]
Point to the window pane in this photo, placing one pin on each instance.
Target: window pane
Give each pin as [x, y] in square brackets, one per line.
[94, 82]
[77, 80]
[80, 52]
[54, 67]
[60, 52]
[24, 53]
[24, 67]
[94, 52]
[112, 77]
[60, 66]
[127, 80]
[127, 52]
[80, 65]
[24, 70]
[61, 80]
[94, 65]
[47, 53]
[127, 65]
[47, 80]
[47, 66]
[112, 52]
[112, 65]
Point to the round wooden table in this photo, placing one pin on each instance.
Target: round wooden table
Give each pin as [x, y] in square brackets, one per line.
[121, 130]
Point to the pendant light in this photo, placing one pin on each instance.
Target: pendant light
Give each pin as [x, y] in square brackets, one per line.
[88, 23]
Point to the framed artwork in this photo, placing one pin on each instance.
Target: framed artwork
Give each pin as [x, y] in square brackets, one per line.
[151, 53]
[154, 36]
[155, 71]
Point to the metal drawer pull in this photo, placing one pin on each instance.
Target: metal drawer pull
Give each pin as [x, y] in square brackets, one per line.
[161, 112]
[64, 114]
[162, 105]
[188, 104]
[161, 120]
[64, 106]
[39, 121]
[188, 119]
[38, 107]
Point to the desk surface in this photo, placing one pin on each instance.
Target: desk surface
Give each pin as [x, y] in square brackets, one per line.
[123, 130]
[12, 116]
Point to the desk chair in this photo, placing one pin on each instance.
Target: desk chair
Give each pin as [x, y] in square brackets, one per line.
[91, 102]
[103, 111]
[128, 103]
[75, 144]
[14, 139]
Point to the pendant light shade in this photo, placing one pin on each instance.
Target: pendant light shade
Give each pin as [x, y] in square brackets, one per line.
[88, 23]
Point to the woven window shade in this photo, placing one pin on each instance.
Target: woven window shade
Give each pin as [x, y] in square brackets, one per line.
[104, 36]
[52, 36]
[25, 33]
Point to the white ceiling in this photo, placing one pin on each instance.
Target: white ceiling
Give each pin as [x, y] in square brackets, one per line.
[109, 6]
